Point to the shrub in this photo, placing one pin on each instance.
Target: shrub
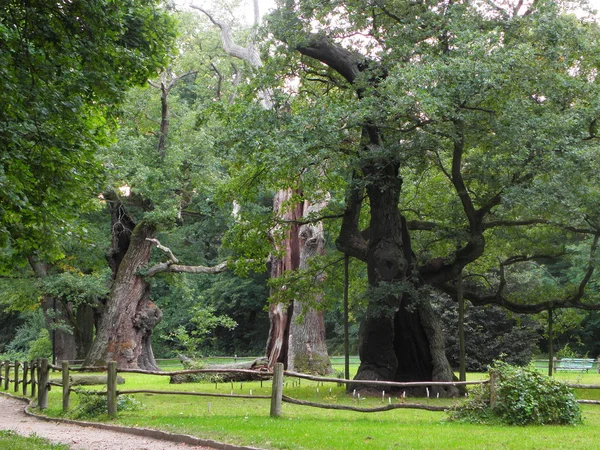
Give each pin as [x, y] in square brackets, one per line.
[93, 405]
[31, 340]
[40, 347]
[523, 397]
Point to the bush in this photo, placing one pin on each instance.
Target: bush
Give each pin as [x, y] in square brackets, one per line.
[92, 405]
[31, 338]
[523, 397]
[40, 347]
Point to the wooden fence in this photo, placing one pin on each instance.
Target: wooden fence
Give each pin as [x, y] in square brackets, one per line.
[35, 374]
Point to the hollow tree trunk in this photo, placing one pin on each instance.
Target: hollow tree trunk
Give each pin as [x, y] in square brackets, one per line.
[387, 264]
[297, 331]
[400, 338]
[130, 316]
[279, 313]
[307, 348]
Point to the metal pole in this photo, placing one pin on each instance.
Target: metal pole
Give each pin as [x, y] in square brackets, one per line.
[346, 319]
[550, 343]
[461, 329]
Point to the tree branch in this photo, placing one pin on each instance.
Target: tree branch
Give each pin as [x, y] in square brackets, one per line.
[350, 240]
[498, 298]
[248, 53]
[589, 272]
[172, 266]
[514, 223]
[177, 268]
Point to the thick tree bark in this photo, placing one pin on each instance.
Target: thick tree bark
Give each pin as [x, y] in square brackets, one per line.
[129, 316]
[309, 343]
[280, 314]
[307, 348]
[297, 331]
[58, 319]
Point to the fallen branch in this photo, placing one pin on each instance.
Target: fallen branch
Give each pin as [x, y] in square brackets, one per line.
[353, 408]
[200, 394]
[383, 383]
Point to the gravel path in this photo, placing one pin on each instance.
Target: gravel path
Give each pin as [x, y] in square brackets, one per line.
[13, 417]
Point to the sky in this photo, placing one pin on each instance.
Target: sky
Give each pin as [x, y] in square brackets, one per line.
[265, 5]
[247, 6]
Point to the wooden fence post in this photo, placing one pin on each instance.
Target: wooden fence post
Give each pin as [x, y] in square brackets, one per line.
[111, 389]
[25, 374]
[17, 365]
[34, 372]
[6, 374]
[493, 379]
[277, 390]
[1, 367]
[43, 374]
[65, 385]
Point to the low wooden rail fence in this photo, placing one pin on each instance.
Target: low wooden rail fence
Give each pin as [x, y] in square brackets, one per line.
[36, 375]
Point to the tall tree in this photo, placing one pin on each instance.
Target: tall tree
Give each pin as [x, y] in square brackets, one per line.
[297, 332]
[454, 122]
[65, 67]
[156, 161]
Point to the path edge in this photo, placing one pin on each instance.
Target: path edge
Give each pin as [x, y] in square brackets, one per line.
[144, 432]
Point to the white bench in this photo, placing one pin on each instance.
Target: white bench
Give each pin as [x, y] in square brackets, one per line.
[574, 364]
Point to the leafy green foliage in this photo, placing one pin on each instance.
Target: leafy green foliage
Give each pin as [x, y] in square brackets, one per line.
[65, 66]
[91, 405]
[41, 347]
[491, 333]
[523, 397]
[31, 339]
[203, 322]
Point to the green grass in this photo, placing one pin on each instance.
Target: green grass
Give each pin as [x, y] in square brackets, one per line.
[11, 440]
[247, 422]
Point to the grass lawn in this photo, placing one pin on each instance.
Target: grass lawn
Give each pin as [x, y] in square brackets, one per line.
[12, 441]
[247, 421]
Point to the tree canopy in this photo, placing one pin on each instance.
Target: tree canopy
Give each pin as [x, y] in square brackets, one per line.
[450, 136]
[65, 68]
[445, 138]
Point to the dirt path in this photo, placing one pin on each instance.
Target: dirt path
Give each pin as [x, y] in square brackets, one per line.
[13, 417]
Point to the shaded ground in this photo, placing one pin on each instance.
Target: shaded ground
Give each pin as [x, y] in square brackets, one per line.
[13, 417]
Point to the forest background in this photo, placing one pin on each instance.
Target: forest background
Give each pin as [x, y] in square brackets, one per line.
[182, 144]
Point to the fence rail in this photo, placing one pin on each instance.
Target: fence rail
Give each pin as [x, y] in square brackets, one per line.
[36, 374]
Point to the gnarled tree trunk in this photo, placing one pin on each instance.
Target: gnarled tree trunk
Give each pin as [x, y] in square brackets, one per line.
[129, 316]
[400, 338]
[307, 349]
[297, 332]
